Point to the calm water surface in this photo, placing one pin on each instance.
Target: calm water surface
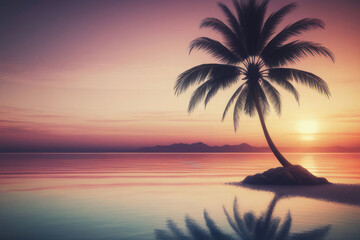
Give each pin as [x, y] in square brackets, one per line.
[131, 196]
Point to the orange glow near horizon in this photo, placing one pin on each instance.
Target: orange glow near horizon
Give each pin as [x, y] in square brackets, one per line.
[104, 77]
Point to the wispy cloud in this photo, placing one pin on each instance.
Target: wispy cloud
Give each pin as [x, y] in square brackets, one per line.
[11, 121]
[154, 116]
[14, 130]
[344, 116]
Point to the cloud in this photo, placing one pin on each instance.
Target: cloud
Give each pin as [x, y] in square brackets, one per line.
[53, 116]
[87, 186]
[157, 116]
[16, 115]
[13, 130]
[345, 116]
[10, 121]
[326, 134]
[11, 109]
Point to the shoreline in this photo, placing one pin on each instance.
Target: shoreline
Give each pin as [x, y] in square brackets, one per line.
[334, 192]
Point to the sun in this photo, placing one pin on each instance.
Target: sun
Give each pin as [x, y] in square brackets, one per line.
[307, 126]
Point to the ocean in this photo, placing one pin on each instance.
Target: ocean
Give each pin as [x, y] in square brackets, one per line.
[155, 196]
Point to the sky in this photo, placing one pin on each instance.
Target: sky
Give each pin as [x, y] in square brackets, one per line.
[78, 75]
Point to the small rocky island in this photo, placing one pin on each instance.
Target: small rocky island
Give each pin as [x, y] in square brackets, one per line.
[291, 175]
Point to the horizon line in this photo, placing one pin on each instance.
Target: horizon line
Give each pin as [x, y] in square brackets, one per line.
[187, 148]
[2, 153]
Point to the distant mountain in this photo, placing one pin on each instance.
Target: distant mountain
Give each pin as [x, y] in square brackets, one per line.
[243, 147]
[202, 147]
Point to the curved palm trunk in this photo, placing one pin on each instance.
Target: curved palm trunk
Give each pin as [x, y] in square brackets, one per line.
[272, 146]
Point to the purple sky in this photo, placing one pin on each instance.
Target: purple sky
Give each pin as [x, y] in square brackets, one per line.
[101, 74]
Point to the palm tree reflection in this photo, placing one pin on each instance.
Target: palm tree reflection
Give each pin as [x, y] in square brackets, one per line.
[246, 227]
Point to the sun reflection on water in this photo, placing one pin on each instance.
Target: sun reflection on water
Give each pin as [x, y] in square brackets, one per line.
[308, 162]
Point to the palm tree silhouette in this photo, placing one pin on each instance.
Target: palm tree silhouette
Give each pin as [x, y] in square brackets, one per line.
[246, 227]
[253, 51]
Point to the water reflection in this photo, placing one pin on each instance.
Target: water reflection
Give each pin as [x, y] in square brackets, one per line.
[339, 193]
[246, 227]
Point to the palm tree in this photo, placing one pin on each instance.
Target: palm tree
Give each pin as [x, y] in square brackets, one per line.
[253, 52]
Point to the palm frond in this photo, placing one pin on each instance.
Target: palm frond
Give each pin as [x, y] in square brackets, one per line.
[239, 106]
[255, 25]
[303, 25]
[211, 93]
[222, 79]
[274, 224]
[240, 9]
[231, 38]
[196, 230]
[163, 235]
[273, 95]
[287, 86]
[214, 48]
[259, 230]
[231, 221]
[215, 231]
[177, 232]
[228, 105]
[237, 216]
[199, 94]
[270, 210]
[250, 101]
[232, 20]
[284, 229]
[219, 26]
[243, 232]
[303, 77]
[264, 103]
[272, 22]
[249, 219]
[292, 52]
[199, 73]
[251, 17]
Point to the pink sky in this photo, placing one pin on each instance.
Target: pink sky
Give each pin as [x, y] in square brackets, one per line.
[101, 74]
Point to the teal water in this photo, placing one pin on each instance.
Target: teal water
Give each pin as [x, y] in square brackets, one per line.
[132, 196]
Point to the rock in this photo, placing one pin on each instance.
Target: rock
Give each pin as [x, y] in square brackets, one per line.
[259, 178]
[292, 175]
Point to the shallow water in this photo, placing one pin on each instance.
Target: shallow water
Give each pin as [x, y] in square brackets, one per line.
[129, 196]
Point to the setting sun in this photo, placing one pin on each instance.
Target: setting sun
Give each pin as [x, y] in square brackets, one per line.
[307, 126]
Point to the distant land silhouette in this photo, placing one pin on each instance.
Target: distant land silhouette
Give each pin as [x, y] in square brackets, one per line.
[198, 147]
[202, 147]
[243, 147]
